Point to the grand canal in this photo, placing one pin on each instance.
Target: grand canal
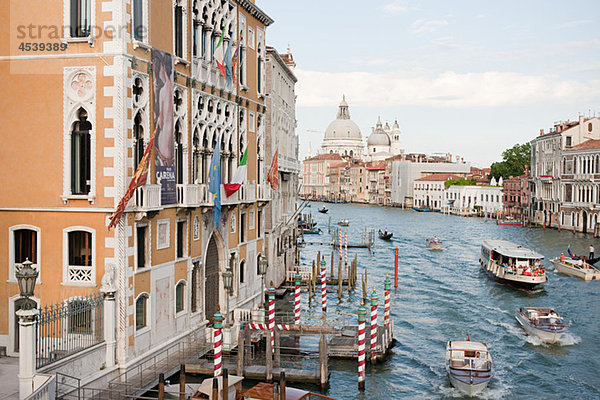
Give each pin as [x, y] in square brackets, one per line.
[443, 295]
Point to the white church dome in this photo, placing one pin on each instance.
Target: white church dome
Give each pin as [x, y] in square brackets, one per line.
[379, 137]
[343, 127]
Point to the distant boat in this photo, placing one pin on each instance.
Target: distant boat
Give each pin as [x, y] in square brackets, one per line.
[544, 323]
[469, 365]
[434, 243]
[572, 266]
[385, 235]
[510, 222]
[310, 231]
[344, 222]
[323, 210]
[419, 209]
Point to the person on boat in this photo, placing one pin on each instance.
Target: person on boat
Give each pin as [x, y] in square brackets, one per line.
[478, 363]
[562, 257]
[553, 317]
[591, 251]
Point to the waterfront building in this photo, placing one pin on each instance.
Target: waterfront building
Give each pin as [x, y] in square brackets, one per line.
[90, 115]
[339, 181]
[343, 136]
[473, 200]
[358, 181]
[281, 139]
[429, 190]
[546, 159]
[480, 175]
[404, 172]
[516, 196]
[315, 180]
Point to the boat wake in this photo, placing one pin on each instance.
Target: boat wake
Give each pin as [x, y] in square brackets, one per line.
[569, 339]
[495, 390]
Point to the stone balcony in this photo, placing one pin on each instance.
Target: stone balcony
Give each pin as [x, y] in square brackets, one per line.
[147, 198]
[193, 195]
[264, 192]
[288, 164]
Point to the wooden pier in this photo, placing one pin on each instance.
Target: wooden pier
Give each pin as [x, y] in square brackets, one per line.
[367, 240]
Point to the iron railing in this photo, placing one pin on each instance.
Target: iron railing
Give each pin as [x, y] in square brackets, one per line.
[69, 327]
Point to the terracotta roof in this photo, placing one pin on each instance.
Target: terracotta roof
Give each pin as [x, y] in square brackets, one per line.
[590, 144]
[376, 165]
[326, 156]
[337, 164]
[438, 177]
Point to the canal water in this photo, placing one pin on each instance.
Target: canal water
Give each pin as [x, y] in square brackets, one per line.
[442, 295]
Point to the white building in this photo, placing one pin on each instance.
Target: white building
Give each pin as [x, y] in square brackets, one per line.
[343, 136]
[473, 200]
[405, 172]
[383, 142]
[429, 190]
[281, 136]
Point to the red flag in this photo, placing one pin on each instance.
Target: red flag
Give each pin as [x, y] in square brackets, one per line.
[138, 179]
[272, 178]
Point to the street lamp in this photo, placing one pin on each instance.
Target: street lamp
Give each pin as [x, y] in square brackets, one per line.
[26, 277]
[262, 271]
[228, 284]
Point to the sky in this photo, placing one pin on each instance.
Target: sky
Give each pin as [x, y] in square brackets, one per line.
[470, 78]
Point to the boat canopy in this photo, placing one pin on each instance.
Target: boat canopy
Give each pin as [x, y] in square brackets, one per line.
[509, 249]
[466, 345]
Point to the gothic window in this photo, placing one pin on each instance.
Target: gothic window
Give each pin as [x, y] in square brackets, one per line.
[178, 28]
[138, 20]
[81, 154]
[242, 272]
[180, 297]
[138, 140]
[196, 281]
[141, 311]
[181, 238]
[142, 246]
[80, 18]
[196, 157]
[178, 153]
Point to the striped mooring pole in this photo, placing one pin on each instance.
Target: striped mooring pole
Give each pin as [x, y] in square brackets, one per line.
[297, 300]
[323, 285]
[362, 313]
[387, 286]
[218, 343]
[374, 300]
[345, 248]
[271, 293]
[340, 241]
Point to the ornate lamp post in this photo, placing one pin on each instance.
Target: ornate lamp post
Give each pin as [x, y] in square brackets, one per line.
[228, 284]
[263, 264]
[26, 276]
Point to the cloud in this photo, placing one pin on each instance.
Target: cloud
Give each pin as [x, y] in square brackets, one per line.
[398, 7]
[576, 23]
[447, 89]
[421, 26]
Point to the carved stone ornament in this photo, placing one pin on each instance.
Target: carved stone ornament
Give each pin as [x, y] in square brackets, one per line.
[108, 280]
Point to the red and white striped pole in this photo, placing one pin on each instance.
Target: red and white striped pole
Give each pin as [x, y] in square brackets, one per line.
[297, 300]
[271, 293]
[374, 300]
[218, 342]
[323, 285]
[345, 248]
[362, 313]
[387, 286]
[340, 241]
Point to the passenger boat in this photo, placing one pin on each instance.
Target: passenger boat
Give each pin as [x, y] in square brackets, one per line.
[544, 323]
[469, 365]
[323, 210]
[344, 222]
[507, 262]
[434, 243]
[578, 268]
[385, 235]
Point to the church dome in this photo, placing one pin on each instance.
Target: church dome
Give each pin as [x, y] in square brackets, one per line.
[343, 127]
[379, 137]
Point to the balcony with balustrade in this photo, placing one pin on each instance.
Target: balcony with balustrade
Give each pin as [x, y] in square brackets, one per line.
[147, 198]
[264, 192]
[193, 195]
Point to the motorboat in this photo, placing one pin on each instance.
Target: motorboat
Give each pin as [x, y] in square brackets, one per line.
[544, 323]
[323, 210]
[344, 222]
[509, 222]
[385, 235]
[310, 231]
[507, 262]
[264, 391]
[576, 267]
[469, 365]
[422, 209]
[434, 243]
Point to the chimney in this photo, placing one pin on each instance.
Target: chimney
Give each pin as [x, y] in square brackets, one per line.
[541, 132]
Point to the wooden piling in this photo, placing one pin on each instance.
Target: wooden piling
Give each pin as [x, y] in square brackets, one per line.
[241, 351]
[161, 386]
[323, 362]
[396, 269]
[269, 358]
[275, 391]
[225, 384]
[182, 382]
[215, 388]
[277, 333]
[364, 285]
[340, 279]
[332, 265]
[282, 385]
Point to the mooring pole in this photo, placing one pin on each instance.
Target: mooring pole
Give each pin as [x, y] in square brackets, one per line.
[374, 300]
[297, 299]
[161, 386]
[282, 385]
[387, 285]
[332, 264]
[218, 318]
[225, 384]
[271, 292]
[323, 361]
[241, 350]
[269, 357]
[396, 270]
[346, 248]
[182, 382]
[215, 388]
[323, 286]
[362, 312]
[340, 280]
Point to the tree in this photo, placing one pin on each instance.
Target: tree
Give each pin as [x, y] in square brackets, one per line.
[460, 182]
[513, 162]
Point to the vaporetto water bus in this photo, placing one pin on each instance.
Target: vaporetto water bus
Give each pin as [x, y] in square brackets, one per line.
[507, 262]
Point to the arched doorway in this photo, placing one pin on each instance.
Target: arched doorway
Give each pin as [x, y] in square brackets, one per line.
[584, 222]
[211, 285]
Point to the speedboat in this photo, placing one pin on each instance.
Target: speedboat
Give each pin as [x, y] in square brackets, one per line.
[544, 323]
[434, 243]
[509, 222]
[507, 262]
[323, 210]
[578, 268]
[385, 235]
[469, 365]
[344, 222]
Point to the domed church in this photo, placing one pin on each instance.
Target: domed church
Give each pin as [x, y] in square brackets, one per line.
[342, 136]
[383, 142]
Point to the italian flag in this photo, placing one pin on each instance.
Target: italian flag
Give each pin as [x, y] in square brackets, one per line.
[238, 178]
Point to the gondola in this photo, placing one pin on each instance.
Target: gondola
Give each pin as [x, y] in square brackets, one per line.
[323, 210]
[385, 235]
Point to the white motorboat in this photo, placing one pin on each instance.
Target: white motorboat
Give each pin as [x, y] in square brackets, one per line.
[507, 262]
[434, 243]
[469, 365]
[578, 268]
[544, 323]
[344, 222]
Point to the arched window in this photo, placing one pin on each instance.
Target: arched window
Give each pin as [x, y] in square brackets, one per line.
[141, 311]
[242, 272]
[178, 153]
[180, 297]
[81, 154]
[196, 157]
[138, 140]
[79, 256]
[196, 288]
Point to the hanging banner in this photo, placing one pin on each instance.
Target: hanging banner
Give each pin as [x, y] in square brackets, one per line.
[164, 162]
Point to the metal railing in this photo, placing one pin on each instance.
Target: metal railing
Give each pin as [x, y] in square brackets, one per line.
[45, 392]
[69, 327]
